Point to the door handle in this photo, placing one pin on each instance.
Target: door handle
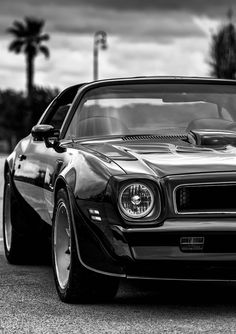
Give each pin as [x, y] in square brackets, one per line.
[22, 157]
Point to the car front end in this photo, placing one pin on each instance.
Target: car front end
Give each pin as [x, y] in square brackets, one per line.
[162, 205]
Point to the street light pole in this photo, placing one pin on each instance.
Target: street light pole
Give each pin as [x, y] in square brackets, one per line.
[100, 39]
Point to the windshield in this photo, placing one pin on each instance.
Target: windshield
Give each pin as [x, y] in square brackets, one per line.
[154, 109]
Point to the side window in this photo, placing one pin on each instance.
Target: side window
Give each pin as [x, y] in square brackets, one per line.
[72, 131]
[59, 116]
[60, 108]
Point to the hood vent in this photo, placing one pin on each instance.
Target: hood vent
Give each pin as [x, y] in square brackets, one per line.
[212, 137]
[154, 137]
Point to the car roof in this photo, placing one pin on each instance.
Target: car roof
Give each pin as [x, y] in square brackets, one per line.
[156, 79]
[138, 79]
[153, 79]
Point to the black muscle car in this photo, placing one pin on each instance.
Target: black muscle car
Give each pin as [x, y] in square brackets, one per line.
[127, 178]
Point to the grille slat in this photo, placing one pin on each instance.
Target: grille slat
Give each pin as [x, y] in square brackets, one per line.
[205, 198]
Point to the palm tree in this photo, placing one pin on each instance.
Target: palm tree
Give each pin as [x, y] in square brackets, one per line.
[28, 39]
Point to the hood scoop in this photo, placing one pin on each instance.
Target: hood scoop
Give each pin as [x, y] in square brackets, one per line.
[154, 137]
[212, 137]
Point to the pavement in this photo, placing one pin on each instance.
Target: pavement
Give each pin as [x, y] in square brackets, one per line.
[29, 305]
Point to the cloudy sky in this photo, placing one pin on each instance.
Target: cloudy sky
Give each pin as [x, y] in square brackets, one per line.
[145, 37]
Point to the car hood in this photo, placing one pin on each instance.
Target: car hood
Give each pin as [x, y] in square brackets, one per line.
[168, 158]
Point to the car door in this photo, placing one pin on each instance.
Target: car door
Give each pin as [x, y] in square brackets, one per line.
[37, 164]
[29, 174]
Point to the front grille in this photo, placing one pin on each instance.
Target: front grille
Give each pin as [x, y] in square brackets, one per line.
[205, 198]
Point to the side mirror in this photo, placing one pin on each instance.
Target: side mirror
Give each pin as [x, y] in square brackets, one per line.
[47, 133]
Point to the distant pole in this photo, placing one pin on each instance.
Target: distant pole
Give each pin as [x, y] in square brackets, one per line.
[100, 40]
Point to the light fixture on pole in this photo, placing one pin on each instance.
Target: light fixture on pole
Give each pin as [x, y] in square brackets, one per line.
[100, 40]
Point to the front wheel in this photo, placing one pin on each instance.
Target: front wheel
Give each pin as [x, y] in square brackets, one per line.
[74, 283]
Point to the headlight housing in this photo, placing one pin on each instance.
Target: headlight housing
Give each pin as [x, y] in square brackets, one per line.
[136, 200]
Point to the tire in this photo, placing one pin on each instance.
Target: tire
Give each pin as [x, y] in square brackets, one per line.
[74, 283]
[22, 245]
[14, 243]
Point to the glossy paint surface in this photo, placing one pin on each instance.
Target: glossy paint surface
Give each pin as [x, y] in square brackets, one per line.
[169, 158]
[94, 170]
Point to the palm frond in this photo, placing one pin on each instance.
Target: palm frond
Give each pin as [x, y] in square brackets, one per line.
[16, 32]
[44, 50]
[16, 46]
[34, 25]
[17, 29]
[44, 37]
[13, 31]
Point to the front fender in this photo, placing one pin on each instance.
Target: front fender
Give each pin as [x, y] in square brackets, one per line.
[90, 249]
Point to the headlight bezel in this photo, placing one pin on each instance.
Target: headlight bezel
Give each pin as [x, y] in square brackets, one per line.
[155, 213]
[135, 185]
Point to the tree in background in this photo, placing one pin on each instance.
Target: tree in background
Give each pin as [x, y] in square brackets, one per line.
[41, 97]
[12, 116]
[223, 51]
[28, 39]
[16, 117]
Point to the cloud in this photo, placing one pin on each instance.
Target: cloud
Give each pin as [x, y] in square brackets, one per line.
[151, 37]
[209, 7]
[160, 19]
[179, 58]
[136, 25]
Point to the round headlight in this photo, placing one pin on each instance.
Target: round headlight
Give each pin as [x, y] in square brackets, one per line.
[136, 200]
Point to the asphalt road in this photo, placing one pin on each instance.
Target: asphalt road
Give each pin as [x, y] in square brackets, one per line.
[29, 304]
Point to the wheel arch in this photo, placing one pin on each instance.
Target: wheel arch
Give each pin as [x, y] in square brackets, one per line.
[6, 169]
[62, 184]
[9, 163]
